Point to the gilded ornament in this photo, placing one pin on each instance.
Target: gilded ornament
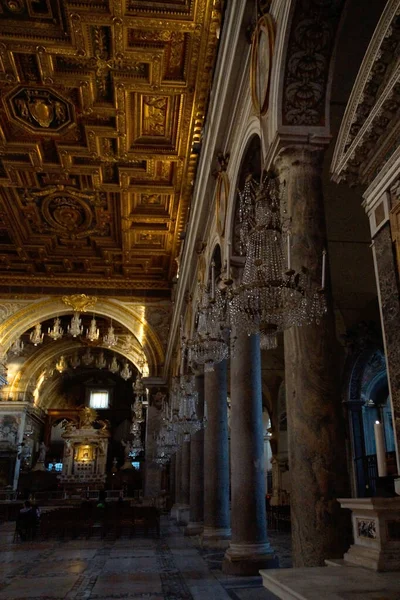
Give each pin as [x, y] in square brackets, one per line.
[40, 109]
[80, 302]
[261, 63]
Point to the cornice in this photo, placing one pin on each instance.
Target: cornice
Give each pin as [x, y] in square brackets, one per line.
[357, 153]
[218, 101]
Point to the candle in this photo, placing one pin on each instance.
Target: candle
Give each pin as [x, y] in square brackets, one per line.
[213, 280]
[323, 268]
[228, 262]
[288, 252]
[380, 449]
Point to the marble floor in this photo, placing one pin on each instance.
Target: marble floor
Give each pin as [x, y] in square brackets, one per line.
[170, 568]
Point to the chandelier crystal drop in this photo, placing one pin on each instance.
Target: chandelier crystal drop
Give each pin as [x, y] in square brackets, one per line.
[93, 333]
[17, 347]
[126, 372]
[271, 296]
[76, 327]
[101, 362]
[36, 336]
[57, 331]
[209, 345]
[114, 366]
[110, 339]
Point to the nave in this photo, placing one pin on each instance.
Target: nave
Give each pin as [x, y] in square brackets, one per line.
[172, 567]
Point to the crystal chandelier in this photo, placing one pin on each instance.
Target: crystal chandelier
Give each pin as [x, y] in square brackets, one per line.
[110, 339]
[57, 331]
[136, 446]
[36, 336]
[17, 347]
[135, 426]
[138, 409]
[61, 365]
[187, 414]
[76, 327]
[93, 333]
[75, 361]
[126, 372]
[101, 362]
[138, 385]
[114, 366]
[167, 438]
[271, 296]
[128, 344]
[87, 358]
[166, 444]
[209, 345]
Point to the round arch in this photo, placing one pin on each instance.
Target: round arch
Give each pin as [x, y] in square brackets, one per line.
[134, 322]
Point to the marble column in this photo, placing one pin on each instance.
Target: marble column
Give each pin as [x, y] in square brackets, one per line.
[152, 486]
[249, 549]
[316, 425]
[172, 479]
[195, 525]
[216, 457]
[178, 484]
[386, 272]
[183, 510]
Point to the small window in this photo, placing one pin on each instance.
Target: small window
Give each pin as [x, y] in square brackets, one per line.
[99, 399]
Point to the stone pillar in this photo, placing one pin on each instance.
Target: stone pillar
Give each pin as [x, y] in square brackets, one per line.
[172, 479]
[195, 525]
[316, 432]
[249, 549]
[152, 487]
[183, 509]
[389, 304]
[216, 457]
[178, 484]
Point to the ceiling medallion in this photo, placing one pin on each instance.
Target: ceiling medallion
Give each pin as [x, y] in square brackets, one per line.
[63, 210]
[79, 302]
[40, 109]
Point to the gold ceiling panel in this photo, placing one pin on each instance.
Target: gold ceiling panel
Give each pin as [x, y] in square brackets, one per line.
[101, 104]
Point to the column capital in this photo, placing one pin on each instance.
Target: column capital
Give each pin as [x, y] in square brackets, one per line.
[299, 155]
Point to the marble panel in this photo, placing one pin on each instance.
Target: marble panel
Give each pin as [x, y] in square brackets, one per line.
[131, 565]
[126, 584]
[38, 587]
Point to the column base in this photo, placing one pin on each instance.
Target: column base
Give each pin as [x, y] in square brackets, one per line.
[183, 514]
[39, 467]
[216, 537]
[248, 559]
[194, 528]
[127, 465]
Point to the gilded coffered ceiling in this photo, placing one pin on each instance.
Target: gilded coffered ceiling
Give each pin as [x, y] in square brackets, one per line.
[101, 109]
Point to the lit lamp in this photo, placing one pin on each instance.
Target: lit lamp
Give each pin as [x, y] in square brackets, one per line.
[380, 449]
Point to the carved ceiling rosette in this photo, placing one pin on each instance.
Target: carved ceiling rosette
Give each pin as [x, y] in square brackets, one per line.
[69, 214]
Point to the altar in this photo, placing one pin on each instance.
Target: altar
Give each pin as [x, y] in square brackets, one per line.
[85, 451]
